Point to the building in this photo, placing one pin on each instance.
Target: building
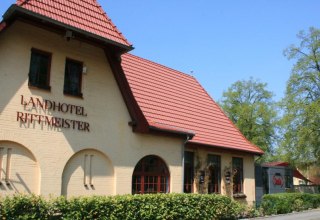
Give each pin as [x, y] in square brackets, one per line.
[273, 177]
[296, 174]
[82, 116]
[279, 177]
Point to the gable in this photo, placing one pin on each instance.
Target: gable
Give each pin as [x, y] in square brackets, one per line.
[84, 17]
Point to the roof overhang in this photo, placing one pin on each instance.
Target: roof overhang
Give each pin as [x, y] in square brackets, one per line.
[171, 130]
[195, 145]
[16, 11]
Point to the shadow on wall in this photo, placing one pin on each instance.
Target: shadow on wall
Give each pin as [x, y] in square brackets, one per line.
[50, 110]
[60, 124]
[88, 172]
[14, 63]
[20, 172]
[99, 117]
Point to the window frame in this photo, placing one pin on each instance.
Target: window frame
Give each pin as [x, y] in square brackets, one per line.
[214, 183]
[188, 179]
[65, 92]
[48, 74]
[237, 179]
[142, 176]
[288, 178]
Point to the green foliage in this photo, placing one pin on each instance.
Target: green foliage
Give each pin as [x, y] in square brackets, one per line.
[152, 206]
[282, 203]
[301, 104]
[250, 107]
[25, 207]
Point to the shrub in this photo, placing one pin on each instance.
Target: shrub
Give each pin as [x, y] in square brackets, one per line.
[288, 202]
[150, 206]
[24, 207]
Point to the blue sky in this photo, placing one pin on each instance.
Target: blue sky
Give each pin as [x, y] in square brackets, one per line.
[218, 42]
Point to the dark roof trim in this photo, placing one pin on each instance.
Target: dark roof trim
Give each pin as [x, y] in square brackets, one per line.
[16, 11]
[139, 122]
[3, 25]
[213, 147]
[172, 131]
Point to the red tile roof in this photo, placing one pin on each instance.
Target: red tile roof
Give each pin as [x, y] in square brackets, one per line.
[297, 174]
[315, 180]
[169, 98]
[276, 163]
[86, 15]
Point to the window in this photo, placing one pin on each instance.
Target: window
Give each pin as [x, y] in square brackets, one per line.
[237, 172]
[288, 176]
[214, 168]
[150, 175]
[188, 172]
[73, 78]
[39, 73]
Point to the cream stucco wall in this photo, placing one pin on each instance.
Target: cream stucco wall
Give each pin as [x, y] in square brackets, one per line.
[226, 164]
[19, 166]
[48, 160]
[56, 150]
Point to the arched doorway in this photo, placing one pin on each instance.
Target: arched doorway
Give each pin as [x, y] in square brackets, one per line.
[150, 175]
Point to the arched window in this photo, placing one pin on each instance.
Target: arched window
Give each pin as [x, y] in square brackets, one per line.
[150, 175]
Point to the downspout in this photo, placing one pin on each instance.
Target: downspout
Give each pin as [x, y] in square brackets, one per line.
[182, 153]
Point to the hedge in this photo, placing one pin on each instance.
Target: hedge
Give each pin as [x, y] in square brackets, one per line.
[282, 203]
[149, 206]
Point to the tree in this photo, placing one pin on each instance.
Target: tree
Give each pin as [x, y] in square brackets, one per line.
[250, 107]
[301, 104]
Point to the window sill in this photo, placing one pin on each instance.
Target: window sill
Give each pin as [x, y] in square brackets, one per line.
[239, 196]
[44, 88]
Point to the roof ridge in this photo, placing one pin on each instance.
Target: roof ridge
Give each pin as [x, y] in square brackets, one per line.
[84, 15]
[139, 70]
[87, 14]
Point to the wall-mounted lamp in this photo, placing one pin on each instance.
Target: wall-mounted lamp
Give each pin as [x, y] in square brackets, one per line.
[84, 70]
[69, 35]
[227, 176]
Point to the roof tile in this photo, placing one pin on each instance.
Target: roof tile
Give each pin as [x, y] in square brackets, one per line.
[86, 15]
[169, 98]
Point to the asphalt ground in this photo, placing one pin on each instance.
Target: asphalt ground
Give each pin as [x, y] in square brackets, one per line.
[305, 215]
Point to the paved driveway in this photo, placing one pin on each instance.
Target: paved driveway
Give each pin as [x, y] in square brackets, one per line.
[306, 215]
